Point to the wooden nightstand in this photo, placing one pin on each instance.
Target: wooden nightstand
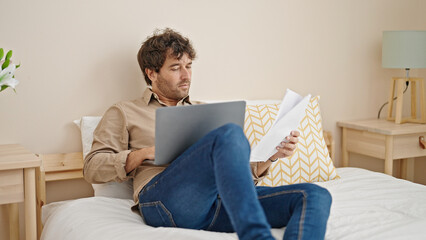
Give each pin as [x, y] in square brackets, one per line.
[385, 140]
[18, 184]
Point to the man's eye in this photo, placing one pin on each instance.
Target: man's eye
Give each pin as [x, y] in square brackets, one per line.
[175, 69]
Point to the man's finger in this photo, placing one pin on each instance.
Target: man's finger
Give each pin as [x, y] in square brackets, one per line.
[289, 139]
[295, 133]
[288, 146]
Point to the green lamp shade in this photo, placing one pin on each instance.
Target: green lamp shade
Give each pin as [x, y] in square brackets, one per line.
[404, 49]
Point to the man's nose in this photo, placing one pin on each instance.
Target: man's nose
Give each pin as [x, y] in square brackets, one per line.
[186, 73]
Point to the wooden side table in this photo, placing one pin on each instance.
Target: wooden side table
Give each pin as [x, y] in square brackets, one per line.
[386, 140]
[18, 184]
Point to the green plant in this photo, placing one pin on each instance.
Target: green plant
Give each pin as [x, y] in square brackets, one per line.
[7, 70]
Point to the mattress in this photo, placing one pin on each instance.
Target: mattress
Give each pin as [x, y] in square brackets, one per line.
[366, 205]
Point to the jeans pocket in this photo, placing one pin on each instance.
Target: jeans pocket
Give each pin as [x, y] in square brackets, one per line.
[156, 214]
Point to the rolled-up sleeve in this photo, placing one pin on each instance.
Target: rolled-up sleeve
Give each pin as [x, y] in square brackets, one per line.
[106, 160]
[258, 177]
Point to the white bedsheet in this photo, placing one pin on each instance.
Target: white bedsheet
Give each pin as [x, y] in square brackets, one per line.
[366, 205]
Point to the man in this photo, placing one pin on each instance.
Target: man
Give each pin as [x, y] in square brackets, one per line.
[210, 186]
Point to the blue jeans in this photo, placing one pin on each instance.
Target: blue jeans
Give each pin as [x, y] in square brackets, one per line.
[210, 187]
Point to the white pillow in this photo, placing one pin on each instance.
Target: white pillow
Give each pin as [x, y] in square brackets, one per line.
[87, 126]
[124, 190]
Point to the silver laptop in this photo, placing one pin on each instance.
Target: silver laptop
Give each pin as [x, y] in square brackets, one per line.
[177, 128]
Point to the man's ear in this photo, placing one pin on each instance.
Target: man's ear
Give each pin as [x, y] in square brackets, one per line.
[152, 75]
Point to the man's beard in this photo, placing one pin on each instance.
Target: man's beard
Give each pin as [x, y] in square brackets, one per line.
[173, 93]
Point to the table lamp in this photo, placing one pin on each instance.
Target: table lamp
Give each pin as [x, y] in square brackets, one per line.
[405, 49]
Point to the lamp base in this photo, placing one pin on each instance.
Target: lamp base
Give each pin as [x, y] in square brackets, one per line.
[399, 84]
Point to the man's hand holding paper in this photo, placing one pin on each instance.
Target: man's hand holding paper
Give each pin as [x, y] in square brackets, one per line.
[271, 146]
[286, 148]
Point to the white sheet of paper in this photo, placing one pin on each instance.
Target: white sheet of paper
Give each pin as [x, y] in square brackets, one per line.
[291, 112]
[290, 100]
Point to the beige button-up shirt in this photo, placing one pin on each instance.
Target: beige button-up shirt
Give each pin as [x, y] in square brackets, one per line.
[125, 127]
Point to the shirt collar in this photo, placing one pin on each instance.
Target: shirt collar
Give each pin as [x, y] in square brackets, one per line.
[148, 95]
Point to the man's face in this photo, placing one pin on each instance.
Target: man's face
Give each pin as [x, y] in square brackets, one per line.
[174, 78]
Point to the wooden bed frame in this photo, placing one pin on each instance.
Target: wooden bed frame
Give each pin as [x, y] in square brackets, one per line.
[66, 166]
[55, 167]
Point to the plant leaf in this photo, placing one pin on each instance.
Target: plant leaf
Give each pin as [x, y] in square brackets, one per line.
[1, 53]
[5, 64]
[3, 87]
[9, 55]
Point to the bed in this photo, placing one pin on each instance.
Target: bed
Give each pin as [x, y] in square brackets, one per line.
[366, 205]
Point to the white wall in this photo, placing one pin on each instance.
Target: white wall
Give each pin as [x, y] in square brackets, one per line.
[79, 57]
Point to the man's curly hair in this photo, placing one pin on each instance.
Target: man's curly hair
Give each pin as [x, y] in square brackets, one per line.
[154, 50]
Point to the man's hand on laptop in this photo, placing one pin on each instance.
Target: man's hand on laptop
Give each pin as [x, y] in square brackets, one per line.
[135, 158]
[286, 147]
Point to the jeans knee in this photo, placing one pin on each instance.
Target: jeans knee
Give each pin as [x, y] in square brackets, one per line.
[231, 127]
[233, 131]
[233, 134]
[319, 194]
